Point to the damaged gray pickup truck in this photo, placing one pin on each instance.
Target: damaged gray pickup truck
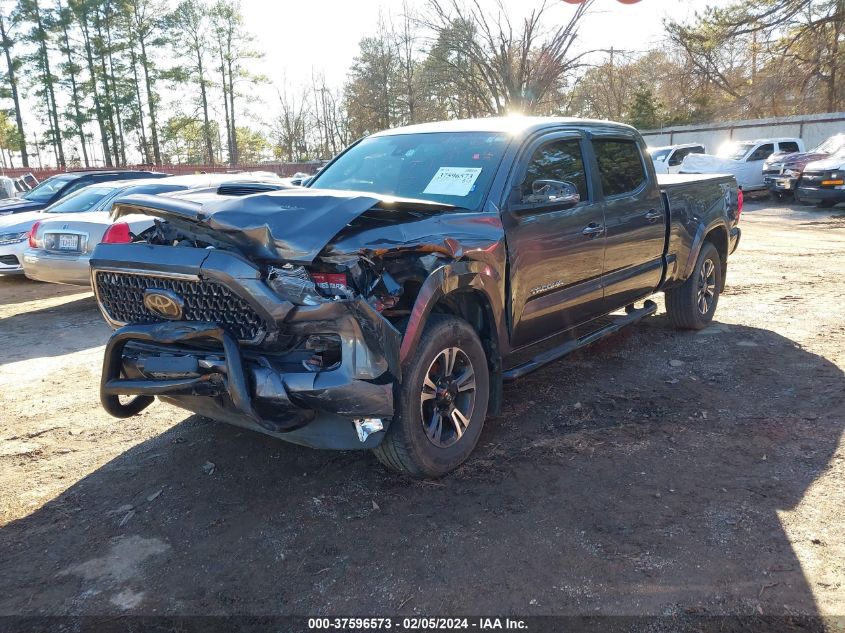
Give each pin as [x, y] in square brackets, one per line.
[383, 305]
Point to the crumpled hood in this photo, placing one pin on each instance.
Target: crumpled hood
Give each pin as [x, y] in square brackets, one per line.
[19, 221]
[795, 158]
[293, 225]
[834, 162]
[19, 205]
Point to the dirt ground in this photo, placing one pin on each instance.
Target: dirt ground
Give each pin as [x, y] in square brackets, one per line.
[614, 482]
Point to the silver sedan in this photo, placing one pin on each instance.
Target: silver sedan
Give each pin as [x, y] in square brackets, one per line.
[63, 238]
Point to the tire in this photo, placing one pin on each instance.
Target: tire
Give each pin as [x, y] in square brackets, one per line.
[418, 449]
[826, 204]
[775, 196]
[684, 303]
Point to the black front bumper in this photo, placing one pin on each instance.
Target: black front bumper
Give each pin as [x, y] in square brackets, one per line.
[812, 194]
[200, 366]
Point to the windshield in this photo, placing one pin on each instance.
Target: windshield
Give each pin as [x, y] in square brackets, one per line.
[49, 188]
[447, 167]
[833, 145]
[659, 153]
[83, 200]
[736, 151]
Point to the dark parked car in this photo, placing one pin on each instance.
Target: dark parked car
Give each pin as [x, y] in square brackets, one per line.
[782, 171]
[383, 306]
[57, 187]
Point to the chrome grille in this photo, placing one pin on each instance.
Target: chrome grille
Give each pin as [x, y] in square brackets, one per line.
[122, 297]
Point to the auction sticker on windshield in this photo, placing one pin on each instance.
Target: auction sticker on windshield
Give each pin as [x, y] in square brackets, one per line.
[453, 181]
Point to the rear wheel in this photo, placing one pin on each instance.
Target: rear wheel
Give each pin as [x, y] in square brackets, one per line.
[442, 402]
[826, 204]
[692, 305]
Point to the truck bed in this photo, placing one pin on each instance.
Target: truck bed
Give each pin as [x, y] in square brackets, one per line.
[666, 182]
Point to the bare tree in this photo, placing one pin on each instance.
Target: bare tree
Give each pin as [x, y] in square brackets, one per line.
[515, 66]
[290, 127]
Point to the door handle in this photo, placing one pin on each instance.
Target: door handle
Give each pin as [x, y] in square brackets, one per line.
[591, 230]
[653, 215]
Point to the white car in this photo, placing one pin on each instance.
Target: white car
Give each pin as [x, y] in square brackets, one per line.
[61, 241]
[668, 159]
[14, 230]
[742, 159]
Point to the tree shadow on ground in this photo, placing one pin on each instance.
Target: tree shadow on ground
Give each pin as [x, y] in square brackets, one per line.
[612, 483]
[53, 331]
[19, 289]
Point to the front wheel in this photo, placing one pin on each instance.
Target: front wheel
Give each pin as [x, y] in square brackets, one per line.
[692, 305]
[442, 402]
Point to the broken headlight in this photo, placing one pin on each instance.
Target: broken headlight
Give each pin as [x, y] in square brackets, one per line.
[295, 284]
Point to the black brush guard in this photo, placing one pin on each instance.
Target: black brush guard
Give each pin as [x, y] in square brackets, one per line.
[233, 380]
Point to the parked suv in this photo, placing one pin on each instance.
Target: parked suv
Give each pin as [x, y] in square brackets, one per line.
[383, 306]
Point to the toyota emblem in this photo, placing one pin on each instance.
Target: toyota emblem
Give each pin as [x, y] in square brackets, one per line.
[164, 303]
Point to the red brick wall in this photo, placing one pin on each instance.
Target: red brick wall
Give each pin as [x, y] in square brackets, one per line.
[283, 169]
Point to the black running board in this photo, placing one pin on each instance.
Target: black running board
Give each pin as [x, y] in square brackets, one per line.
[632, 315]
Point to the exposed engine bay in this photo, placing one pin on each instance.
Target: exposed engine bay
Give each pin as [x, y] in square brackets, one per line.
[329, 257]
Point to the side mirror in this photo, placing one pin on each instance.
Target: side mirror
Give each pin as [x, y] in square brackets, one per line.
[545, 191]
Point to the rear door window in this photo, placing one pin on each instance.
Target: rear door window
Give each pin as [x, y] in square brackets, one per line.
[788, 146]
[620, 166]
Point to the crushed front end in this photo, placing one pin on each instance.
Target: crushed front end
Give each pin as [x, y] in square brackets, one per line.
[267, 347]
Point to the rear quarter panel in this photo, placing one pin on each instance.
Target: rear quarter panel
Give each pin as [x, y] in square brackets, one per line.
[697, 205]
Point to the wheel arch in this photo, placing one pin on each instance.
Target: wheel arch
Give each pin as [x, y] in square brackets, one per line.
[717, 234]
[471, 291]
[718, 237]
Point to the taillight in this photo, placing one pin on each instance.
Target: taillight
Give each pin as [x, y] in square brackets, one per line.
[32, 232]
[117, 233]
[739, 202]
[331, 283]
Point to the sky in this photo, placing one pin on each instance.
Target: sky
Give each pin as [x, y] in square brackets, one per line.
[333, 28]
[301, 38]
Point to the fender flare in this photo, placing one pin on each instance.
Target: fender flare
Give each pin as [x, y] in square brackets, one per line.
[453, 277]
[698, 242]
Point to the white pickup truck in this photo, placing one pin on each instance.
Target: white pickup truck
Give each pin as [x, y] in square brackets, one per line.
[742, 159]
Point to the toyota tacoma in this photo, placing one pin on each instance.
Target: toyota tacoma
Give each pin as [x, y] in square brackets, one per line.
[383, 306]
